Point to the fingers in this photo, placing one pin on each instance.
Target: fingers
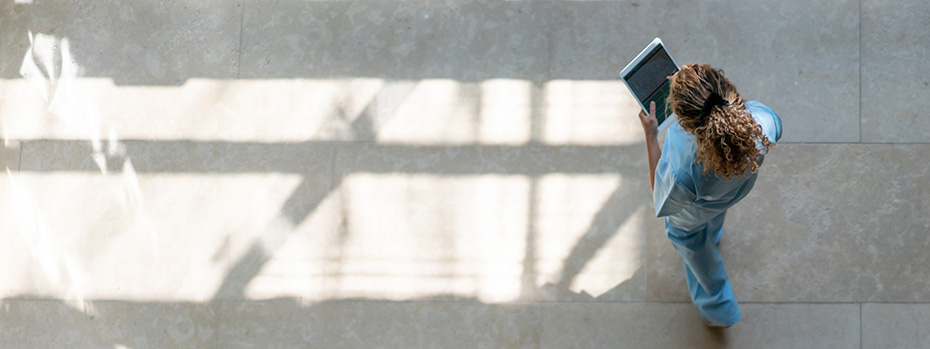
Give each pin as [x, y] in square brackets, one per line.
[652, 108]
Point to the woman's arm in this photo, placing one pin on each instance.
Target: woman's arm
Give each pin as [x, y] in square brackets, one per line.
[653, 152]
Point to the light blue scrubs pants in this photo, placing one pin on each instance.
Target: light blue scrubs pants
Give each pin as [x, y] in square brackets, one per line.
[707, 279]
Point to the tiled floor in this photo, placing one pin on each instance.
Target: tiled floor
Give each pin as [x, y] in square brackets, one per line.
[445, 174]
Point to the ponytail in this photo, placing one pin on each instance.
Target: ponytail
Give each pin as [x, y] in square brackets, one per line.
[709, 106]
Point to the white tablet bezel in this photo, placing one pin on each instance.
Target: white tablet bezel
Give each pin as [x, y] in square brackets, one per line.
[636, 61]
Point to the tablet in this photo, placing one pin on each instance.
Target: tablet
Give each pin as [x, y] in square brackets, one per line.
[646, 76]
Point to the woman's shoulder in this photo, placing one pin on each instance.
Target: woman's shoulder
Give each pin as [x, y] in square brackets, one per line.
[679, 144]
[758, 106]
[678, 153]
[767, 118]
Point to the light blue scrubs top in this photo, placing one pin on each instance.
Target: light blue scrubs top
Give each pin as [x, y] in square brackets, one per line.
[686, 195]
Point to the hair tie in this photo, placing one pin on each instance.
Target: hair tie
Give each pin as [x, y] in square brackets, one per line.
[712, 101]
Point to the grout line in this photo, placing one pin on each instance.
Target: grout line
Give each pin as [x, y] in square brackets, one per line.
[860, 71]
[646, 264]
[219, 324]
[332, 170]
[860, 325]
[550, 51]
[241, 25]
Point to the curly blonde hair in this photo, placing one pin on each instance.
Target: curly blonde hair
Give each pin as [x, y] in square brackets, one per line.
[726, 134]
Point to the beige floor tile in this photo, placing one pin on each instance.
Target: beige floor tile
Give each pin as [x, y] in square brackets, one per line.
[894, 73]
[589, 112]
[499, 223]
[396, 40]
[9, 155]
[52, 323]
[116, 69]
[10, 162]
[138, 42]
[271, 110]
[355, 324]
[677, 325]
[429, 111]
[170, 221]
[895, 325]
[760, 45]
[200, 109]
[825, 223]
[435, 73]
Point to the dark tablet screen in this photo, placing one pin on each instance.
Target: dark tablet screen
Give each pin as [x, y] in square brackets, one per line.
[648, 82]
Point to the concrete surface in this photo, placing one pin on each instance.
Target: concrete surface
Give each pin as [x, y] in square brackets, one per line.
[444, 174]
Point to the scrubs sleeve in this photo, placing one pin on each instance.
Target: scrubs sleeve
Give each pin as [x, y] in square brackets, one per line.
[777, 121]
[669, 196]
[773, 126]
[768, 119]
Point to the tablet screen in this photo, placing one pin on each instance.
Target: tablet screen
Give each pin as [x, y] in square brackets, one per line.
[648, 82]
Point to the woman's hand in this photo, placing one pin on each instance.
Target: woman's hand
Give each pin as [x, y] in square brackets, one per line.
[650, 125]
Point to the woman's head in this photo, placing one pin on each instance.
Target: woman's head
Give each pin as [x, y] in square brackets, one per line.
[709, 106]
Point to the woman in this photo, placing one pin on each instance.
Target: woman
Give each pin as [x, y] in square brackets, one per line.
[710, 161]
